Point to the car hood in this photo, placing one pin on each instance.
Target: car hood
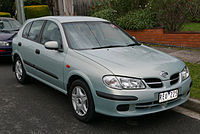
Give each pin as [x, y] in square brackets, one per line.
[138, 61]
[5, 36]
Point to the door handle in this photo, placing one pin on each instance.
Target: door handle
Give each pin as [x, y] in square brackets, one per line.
[19, 44]
[37, 51]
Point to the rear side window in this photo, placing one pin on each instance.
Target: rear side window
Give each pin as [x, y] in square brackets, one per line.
[35, 30]
[26, 30]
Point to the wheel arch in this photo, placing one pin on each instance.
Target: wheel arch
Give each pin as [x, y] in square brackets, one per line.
[13, 62]
[78, 75]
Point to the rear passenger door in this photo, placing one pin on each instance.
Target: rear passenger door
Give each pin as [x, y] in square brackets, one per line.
[30, 46]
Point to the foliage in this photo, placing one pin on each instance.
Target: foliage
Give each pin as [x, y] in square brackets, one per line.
[194, 27]
[32, 2]
[194, 11]
[171, 14]
[5, 14]
[36, 11]
[124, 6]
[195, 73]
[7, 6]
[138, 20]
[108, 14]
[98, 5]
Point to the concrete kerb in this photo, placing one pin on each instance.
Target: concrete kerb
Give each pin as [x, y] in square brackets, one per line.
[192, 104]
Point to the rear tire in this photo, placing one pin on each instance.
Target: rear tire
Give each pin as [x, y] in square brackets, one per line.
[20, 72]
[82, 101]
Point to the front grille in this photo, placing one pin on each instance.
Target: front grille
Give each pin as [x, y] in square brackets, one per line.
[154, 104]
[174, 78]
[153, 82]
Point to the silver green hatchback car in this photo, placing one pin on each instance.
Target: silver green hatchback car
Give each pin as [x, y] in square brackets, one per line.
[101, 67]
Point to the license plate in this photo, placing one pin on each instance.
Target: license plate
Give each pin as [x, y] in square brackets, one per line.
[169, 95]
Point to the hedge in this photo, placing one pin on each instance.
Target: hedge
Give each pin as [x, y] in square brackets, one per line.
[5, 14]
[108, 14]
[35, 11]
[137, 20]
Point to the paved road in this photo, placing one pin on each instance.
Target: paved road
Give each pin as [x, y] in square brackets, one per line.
[36, 109]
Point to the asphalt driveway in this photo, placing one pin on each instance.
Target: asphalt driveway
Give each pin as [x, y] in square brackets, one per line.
[38, 109]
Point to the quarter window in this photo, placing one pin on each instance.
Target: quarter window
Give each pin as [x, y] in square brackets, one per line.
[26, 30]
[51, 33]
[35, 30]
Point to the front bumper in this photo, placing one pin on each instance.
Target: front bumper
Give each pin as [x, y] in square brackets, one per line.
[139, 102]
[5, 51]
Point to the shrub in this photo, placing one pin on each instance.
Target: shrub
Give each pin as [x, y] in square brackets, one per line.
[98, 6]
[36, 11]
[5, 14]
[194, 11]
[124, 6]
[108, 14]
[137, 20]
[171, 14]
[7, 6]
[32, 2]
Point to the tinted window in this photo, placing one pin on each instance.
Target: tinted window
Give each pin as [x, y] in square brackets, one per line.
[35, 30]
[26, 30]
[51, 33]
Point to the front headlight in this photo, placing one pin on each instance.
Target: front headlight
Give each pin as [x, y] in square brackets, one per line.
[119, 82]
[184, 73]
[3, 43]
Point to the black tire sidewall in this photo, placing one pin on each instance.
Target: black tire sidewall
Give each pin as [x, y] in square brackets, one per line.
[90, 115]
[23, 78]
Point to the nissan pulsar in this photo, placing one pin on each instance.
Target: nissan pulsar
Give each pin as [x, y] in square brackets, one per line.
[99, 66]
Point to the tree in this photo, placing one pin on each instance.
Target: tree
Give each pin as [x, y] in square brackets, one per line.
[171, 14]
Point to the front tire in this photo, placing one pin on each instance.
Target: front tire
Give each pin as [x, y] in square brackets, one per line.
[20, 72]
[81, 101]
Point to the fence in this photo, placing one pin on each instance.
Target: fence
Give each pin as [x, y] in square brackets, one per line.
[81, 6]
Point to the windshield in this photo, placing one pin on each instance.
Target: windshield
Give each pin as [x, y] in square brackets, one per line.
[91, 35]
[9, 24]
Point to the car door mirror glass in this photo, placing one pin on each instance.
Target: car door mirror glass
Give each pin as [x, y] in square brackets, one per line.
[51, 45]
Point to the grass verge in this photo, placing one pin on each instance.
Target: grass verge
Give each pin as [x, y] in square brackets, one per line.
[194, 27]
[195, 74]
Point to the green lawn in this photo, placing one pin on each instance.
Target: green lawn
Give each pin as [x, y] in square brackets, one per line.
[195, 74]
[195, 27]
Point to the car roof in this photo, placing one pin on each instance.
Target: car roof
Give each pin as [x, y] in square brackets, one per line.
[65, 19]
[6, 18]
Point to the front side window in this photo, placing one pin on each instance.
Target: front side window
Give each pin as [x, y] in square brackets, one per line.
[35, 30]
[89, 35]
[51, 33]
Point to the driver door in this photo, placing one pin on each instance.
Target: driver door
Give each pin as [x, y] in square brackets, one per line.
[52, 61]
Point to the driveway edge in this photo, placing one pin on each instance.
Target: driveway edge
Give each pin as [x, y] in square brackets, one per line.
[192, 104]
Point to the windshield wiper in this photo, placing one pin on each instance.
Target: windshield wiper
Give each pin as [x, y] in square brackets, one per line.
[111, 46]
[134, 44]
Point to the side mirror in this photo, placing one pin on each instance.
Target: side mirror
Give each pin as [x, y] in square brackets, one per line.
[133, 37]
[53, 45]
